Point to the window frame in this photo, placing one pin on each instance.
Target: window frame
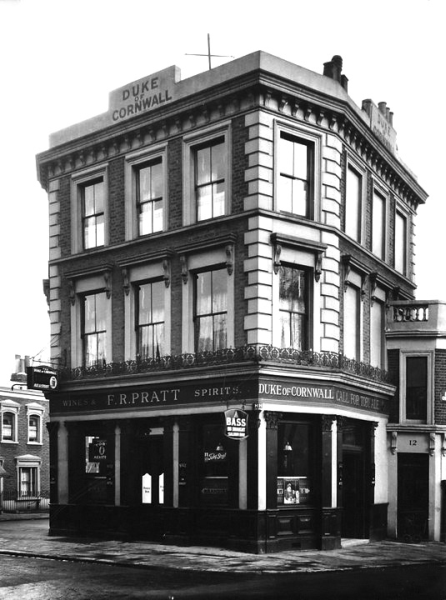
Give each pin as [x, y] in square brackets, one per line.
[399, 211]
[95, 216]
[429, 391]
[137, 274]
[33, 464]
[302, 255]
[287, 456]
[198, 317]
[96, 333]
[194, 261]
[378, 299]
[83, 286]
[191, 143]
[152, 324]
[35, 411]
[11, 426]
[381, 193]
[11, 408]
[362, 190]
[79, 181]
[354, 282]
[306, 345]
[134, 162]
[310, 139]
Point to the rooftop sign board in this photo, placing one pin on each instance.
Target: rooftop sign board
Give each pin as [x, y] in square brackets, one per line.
[381, 124]
[144, 95]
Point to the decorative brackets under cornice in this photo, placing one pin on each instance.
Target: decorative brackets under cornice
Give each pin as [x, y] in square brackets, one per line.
[373, 279]
[316, 248]
[163, 255]
[348, 262]
[225, 241]
[105, 271]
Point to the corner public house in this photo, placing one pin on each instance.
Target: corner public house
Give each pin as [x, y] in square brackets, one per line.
[222, 250]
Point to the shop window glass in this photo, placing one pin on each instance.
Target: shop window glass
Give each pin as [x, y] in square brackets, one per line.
[214, 484]
[98, 470]
[295, 468]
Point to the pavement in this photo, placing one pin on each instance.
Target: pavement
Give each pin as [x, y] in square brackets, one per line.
[27, 535]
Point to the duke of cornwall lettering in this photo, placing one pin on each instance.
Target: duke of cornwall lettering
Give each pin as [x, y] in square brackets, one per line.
[296, 391]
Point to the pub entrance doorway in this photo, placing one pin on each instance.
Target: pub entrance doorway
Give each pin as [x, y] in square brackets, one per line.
[355, 504]
[152, 471]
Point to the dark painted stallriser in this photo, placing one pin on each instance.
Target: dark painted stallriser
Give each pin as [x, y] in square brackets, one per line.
[258, 532]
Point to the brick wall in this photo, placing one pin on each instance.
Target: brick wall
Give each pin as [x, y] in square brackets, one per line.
[9, 452]
[65, 215]
[116, 201]
[393, 368]
[175, 187]
[440, 387]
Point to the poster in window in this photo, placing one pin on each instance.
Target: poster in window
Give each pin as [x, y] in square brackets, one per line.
[291, 491]
[304, 490]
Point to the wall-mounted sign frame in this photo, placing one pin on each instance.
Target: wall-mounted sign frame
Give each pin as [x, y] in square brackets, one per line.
[236, 424]
[41, 378]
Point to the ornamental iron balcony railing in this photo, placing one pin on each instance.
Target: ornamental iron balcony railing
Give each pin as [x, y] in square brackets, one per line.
[331, 361]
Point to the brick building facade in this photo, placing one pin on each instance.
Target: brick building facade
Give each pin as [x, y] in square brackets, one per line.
[226, 243]
[416, 342]
[24, 450]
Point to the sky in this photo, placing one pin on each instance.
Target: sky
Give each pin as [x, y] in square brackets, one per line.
[61, 58]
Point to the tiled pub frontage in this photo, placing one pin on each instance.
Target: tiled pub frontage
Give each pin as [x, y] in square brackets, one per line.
[266, 456]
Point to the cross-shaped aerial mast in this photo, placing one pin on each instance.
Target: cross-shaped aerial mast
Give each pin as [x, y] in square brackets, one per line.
[209, 55]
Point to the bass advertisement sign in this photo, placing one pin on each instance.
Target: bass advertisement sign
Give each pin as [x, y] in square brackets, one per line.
[236, 424]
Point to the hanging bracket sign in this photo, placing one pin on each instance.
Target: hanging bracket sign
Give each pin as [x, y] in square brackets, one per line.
[236, 424]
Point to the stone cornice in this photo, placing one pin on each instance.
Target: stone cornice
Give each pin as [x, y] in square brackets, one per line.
[256, 90]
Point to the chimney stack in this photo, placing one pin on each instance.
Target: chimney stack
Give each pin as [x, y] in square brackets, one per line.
[333, 69]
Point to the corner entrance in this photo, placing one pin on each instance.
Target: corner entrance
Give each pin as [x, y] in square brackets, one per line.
[355, 503]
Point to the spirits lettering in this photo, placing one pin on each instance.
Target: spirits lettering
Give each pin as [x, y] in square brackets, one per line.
[216, 391]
